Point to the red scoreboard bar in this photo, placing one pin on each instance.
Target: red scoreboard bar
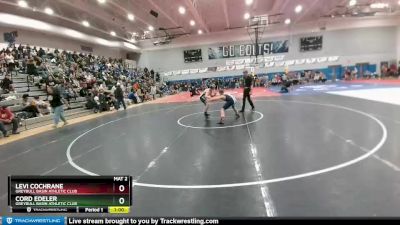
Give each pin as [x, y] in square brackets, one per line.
[69, 194]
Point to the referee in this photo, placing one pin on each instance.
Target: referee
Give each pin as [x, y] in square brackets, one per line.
[248, 83]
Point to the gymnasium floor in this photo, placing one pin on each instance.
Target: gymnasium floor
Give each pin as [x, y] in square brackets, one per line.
[318, 153]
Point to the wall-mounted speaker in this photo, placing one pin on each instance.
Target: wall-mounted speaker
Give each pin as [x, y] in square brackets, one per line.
[154, 13]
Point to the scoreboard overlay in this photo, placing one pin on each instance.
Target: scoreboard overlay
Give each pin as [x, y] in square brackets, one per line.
[69, 194]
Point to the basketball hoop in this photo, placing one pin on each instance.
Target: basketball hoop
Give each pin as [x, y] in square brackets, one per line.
[255, 29]
[258, 21]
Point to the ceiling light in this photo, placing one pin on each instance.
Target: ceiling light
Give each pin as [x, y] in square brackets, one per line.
[298, 9]
[200, 32]
[192, 23]
[352, 2]
[379, 5]
[85, 23]
[23, 3]
[106, 42]
[398, 2]
[24, 22]
[288, 21]
[249, 2]
[48, 11]
[246, 16]
[101, 1]
[182, 10]
[131, 46]
[113, 33]
[131, 17]
[73, 33]
[151, 28]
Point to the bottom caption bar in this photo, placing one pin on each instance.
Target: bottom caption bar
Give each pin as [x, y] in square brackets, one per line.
[21, 220]
[140, 221]
[51, 220]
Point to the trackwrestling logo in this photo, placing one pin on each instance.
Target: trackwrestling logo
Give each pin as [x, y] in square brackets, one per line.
[9, 220]
[33, 220]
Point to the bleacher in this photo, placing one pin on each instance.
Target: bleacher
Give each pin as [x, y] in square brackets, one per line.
[20, 82]
[33, 85]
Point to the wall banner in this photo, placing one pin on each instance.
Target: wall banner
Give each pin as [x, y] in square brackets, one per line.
[232, 51]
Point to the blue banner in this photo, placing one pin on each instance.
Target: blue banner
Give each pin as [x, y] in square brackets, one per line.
[22, 220]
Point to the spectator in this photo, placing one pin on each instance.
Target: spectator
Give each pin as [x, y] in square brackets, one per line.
[132, 96]
[285, 87]
[20, 51]
[92, 103]
[194, 91]
[28, 50]
[42, 106]
[9, 58]
[103, 101]
[30, 107]
[316, 77]
[284, 77]
[31, 68]
[83, 92]
[392, 70]
[354, 73]
[153, 91]
[7, 84]
[58, 107]
[140, 95]
[322, 77]
[2, 62]
[68, 94]
[398, 70]
[136, 86]
[34, 52]
[119, 96]
[41, 52]
[7, 117]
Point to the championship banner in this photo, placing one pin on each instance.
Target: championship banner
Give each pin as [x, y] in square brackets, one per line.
[232, 51]
[203, 70]
[230, 68]
[300, 61]
[269, 64]
[184, 72]
[221, 68]
[192, 71]
[230, 62]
